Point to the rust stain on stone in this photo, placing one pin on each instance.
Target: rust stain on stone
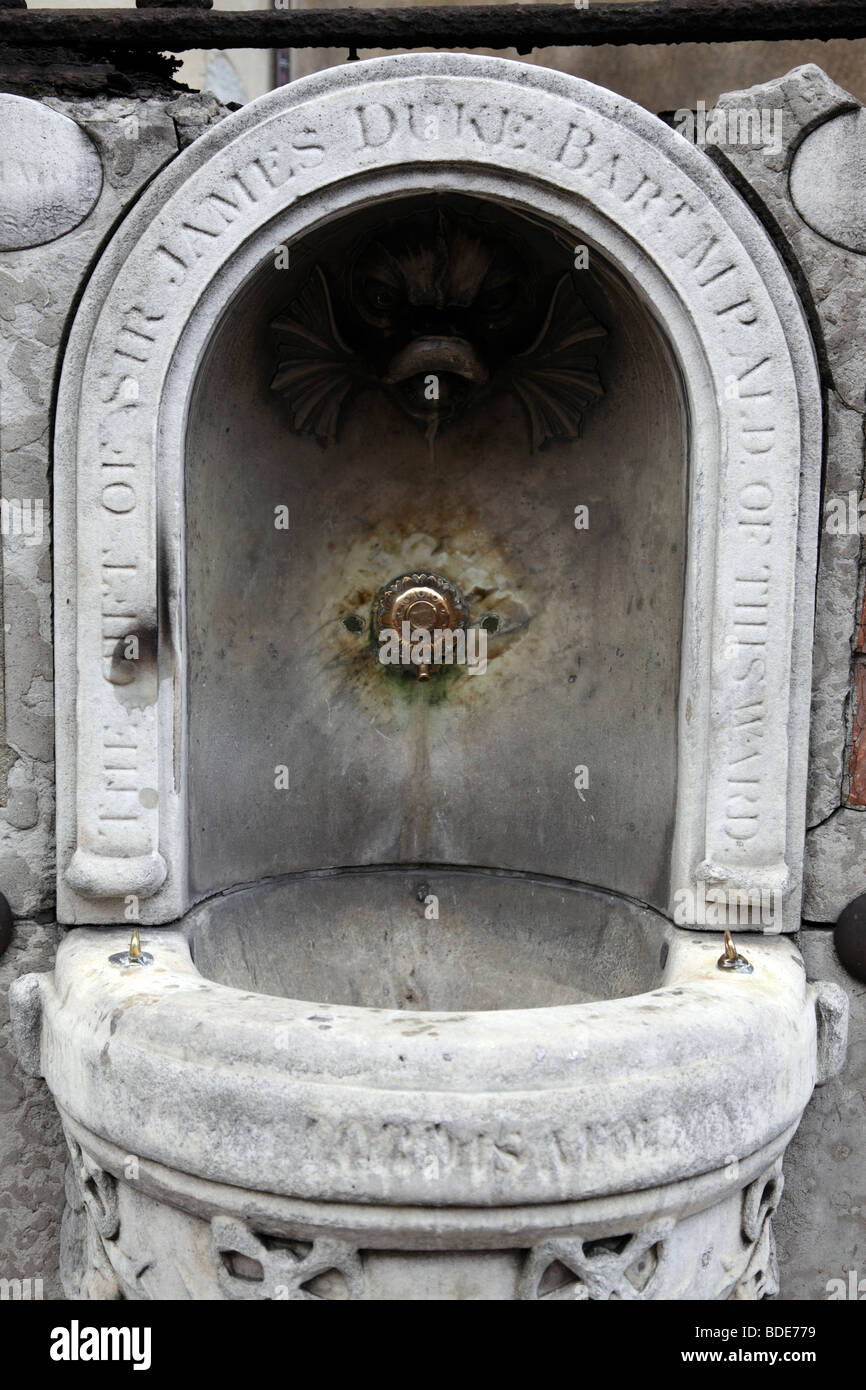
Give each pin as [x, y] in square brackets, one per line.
[861, 635]
[857, 761]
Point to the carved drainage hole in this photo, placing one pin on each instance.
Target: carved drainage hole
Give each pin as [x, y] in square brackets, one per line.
[299, 1249]
[642, 1270]
[768, 1195]
[558, 1281]
[330, 1284]
[606, 1245]
[93, 1192]
[242, 1266]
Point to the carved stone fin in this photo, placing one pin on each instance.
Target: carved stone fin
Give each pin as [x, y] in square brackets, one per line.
[316, 369]
[556, 378]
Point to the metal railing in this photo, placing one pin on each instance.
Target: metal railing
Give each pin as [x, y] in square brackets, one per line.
[522, 27]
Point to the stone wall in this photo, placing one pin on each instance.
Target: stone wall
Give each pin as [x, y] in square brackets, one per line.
[32, 1150]
[821, 1221]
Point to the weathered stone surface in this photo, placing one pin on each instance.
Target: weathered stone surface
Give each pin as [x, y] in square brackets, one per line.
[831, 1008]
[25, 1009]
[50, 174]
[835, 866]
[273, 1252]
[122, 1195]
[178, 259]
[821, 1223]
[835, 610]
[834, 277]
[32, 1150]
[22, 808]
[828, 180]
[349, 1104]
[357, 807]
[193, 114]
[377, 1083]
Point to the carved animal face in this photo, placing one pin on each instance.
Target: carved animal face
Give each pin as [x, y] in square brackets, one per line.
[440, 312]
[440, 308]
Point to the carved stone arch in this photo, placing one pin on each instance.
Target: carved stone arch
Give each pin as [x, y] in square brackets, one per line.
[661, 213]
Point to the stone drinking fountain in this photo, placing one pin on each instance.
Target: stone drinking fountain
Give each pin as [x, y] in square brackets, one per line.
[428, 993]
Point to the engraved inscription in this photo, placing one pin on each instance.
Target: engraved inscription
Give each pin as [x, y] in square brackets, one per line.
[118, 615]
[439, 1151]
[238, 194]
[751, 630]
[119, 801]
[745, 761]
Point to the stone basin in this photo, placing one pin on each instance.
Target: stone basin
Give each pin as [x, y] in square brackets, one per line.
[452, 940]
[243, 1142]
[304, 1097]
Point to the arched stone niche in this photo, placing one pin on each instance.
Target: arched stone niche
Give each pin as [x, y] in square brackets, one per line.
[660, 213]
[584, 606]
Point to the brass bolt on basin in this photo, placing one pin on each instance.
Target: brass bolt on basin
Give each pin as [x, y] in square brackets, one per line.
[732, 960]
[134, 954]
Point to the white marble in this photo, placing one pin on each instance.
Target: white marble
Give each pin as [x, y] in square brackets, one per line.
[50, 173]
[619, 180]
[495, 1131]
[202, 1118]
[828, 180]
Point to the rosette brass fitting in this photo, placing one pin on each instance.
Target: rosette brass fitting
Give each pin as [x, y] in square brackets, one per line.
[417, 603]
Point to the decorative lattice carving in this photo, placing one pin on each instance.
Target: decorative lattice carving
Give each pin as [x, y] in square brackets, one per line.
[614, 1267]
[103, 1257]
[256, 1266]
[97, 1190]
[760, 1276]
[88, 1230]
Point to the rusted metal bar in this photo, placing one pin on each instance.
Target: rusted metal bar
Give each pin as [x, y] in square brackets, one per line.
[483, 26]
